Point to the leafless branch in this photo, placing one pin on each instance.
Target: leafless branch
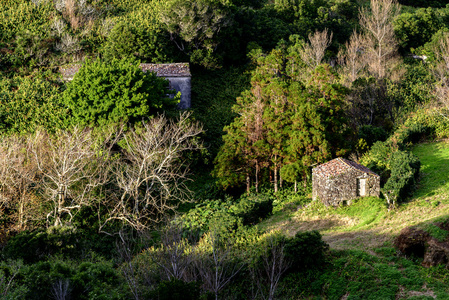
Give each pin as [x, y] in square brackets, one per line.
[18, 179]
[150, 176]
[215, 264]
[380, 42]
[273, 265]
[61, 289]
[350, 58]
[71, 168]
[313, 52]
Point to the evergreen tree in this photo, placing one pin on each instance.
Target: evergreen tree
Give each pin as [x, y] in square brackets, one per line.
[283, 123]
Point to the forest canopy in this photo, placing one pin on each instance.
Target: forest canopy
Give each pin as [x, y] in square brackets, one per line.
[109, 191]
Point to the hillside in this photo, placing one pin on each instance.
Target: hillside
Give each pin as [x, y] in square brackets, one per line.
[368, 224]
[361, 237]
[108, 190]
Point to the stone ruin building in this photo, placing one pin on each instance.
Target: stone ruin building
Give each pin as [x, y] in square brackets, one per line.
[178, 74]
[340, 180]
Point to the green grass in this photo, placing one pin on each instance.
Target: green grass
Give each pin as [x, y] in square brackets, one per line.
[368, 224]
[362, 262]
[354, 274]
[434, 170]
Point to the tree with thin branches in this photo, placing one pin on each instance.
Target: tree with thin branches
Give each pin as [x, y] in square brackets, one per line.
[72, 167]
[380, 42]
[350, 58]
[313, 52]
[149, 177]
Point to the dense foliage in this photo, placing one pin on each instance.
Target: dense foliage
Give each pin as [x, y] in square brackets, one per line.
[103, 93]
[92, 171]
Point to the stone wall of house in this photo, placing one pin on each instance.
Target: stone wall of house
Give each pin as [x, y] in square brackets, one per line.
[334, 190]
[372, 184]
[183, 85]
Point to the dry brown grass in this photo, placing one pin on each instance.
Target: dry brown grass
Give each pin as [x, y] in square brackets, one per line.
[343, 232]
[426, 292]
[369, 226]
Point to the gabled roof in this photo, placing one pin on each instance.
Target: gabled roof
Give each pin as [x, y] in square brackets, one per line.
[338, 166]
[161, 70]
[168, 70]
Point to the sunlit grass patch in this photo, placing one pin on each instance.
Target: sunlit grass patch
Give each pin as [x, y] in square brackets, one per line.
[367, 223]
[354, 274]
[434, 174]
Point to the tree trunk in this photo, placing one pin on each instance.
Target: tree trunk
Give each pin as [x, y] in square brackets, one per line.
[248, 183]
[257, 178]
[275, 179]
[280, 181]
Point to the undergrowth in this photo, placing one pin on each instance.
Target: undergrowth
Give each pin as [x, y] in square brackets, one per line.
[354, 274]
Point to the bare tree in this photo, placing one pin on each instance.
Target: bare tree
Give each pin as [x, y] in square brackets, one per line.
[440, 69]
[150, 176]
[18, 179]
[177, 258]
[195, 22]
[313, 52]
[215, 263]
[130, 270]
[272, 266]
[380, 42]
[71, 169]
[350, 58]
[61, 289]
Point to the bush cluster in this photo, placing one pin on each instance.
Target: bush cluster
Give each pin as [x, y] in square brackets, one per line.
[247, 210]
[245, 270]
[404, 175]
[38, 245]
[397, 166]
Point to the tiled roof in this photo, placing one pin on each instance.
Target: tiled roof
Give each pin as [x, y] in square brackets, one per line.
[338, 166]
[161, 70]
[168, 70]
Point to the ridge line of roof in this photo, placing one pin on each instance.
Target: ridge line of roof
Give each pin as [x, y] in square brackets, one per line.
[354, 168]
[349, 165]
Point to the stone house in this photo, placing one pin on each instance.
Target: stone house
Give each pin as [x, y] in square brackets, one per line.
[178, 75]
[340, 180]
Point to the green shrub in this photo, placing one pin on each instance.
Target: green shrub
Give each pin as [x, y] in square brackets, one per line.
[129, 40]
[404, 173]
[414, 30]
[424, 3]
[377, 159]
[253, 208]
[9, 277]
[176, 289]
[247, 210]
[306, 251]
[287, 199]
[33, 246]
[372, 134]
[27, 103]
[81, 281]
[116, 91]
[411, 133]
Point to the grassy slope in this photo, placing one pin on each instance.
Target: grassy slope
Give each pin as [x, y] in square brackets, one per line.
[363, 263]
[367, 223]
